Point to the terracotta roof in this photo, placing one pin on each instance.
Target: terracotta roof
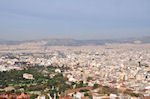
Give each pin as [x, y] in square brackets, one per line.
[145, 89]
[23, 96]
[85, 98]
[42, 95]
[148, 97]
[123, 86]
[77, 90]
[65, 98]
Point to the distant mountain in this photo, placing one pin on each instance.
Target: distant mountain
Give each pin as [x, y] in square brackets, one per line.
[73, 42]
[6, 42]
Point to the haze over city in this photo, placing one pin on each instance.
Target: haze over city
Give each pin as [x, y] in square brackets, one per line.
[74, 49]
[77, 19]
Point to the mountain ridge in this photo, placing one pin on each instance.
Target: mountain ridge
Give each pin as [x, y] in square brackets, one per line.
[74, 42]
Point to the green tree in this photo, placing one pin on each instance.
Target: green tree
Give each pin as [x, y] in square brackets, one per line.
[89, 78]
[95, 86]
[80, 84]
[86, 94]
[33, 96]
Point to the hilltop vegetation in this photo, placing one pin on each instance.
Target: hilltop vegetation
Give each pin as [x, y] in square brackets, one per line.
[42, 81]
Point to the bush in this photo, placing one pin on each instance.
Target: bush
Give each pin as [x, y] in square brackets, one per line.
[134, 94]
[86, 94]
[84, 90]
[95, 86]
[33, 96]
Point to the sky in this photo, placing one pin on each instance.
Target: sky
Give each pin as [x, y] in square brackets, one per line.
[77, 19]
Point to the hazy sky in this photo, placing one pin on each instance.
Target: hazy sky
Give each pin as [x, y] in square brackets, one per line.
[78, 19]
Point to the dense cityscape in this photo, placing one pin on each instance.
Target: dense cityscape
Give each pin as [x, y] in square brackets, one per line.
[109, 71]
[74, 49]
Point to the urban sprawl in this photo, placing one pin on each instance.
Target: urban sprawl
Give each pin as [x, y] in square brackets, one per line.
[111, 71]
